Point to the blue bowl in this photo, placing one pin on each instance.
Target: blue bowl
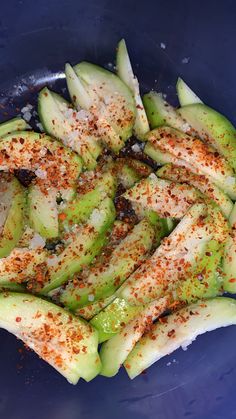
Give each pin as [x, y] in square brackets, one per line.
[36, 38]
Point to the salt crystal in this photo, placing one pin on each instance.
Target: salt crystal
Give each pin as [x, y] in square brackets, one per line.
[27, 108]
[39, 126]
[52, 260]
[163, 46]
[185, 60]
[230, 180]
[36, 241]
[96, 216]
[41, 174]
[91, 297]
[168, 364]
[27, 116]
[186, 127]
[136, 148]
[152, 176]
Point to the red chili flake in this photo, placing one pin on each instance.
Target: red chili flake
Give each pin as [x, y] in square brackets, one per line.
[163, 320]
[171, 333]
[18, 319]
[62, 216]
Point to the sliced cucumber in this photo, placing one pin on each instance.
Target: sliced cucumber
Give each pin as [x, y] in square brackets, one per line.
[15, 124]
[160, 113]
[167, 198]
[196, 156]
[185, 95]
[68, 125]
[82, 206]
[64, 341]
[42, 211]
[78, 89]
[125, 72]
[214, 128]
[201, 182]
[229, 264]
[83, 96]
[13, 287]
[229, 261]
[110, 320]
[159, 156]
[54, 164]
[89, 311]
[104, 280]
[232, 218]
[180, 329]
[114, 99]
[130, 171]
[115, 351]
[20, 265]
[206, 280]
[174, 259]
[127, 176]
[12, 208]
[85, 246]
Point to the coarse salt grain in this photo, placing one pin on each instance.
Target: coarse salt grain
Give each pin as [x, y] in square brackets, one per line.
[27, 108]
[36, 241]
[186, 127]
[136, 148]
[230, 180]
[39, 126]
[152, 176]
[185, 60]
[96, 217]
[52, 261]
[162, 45]
[27, 116]
[91, 297]
[41, 174]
